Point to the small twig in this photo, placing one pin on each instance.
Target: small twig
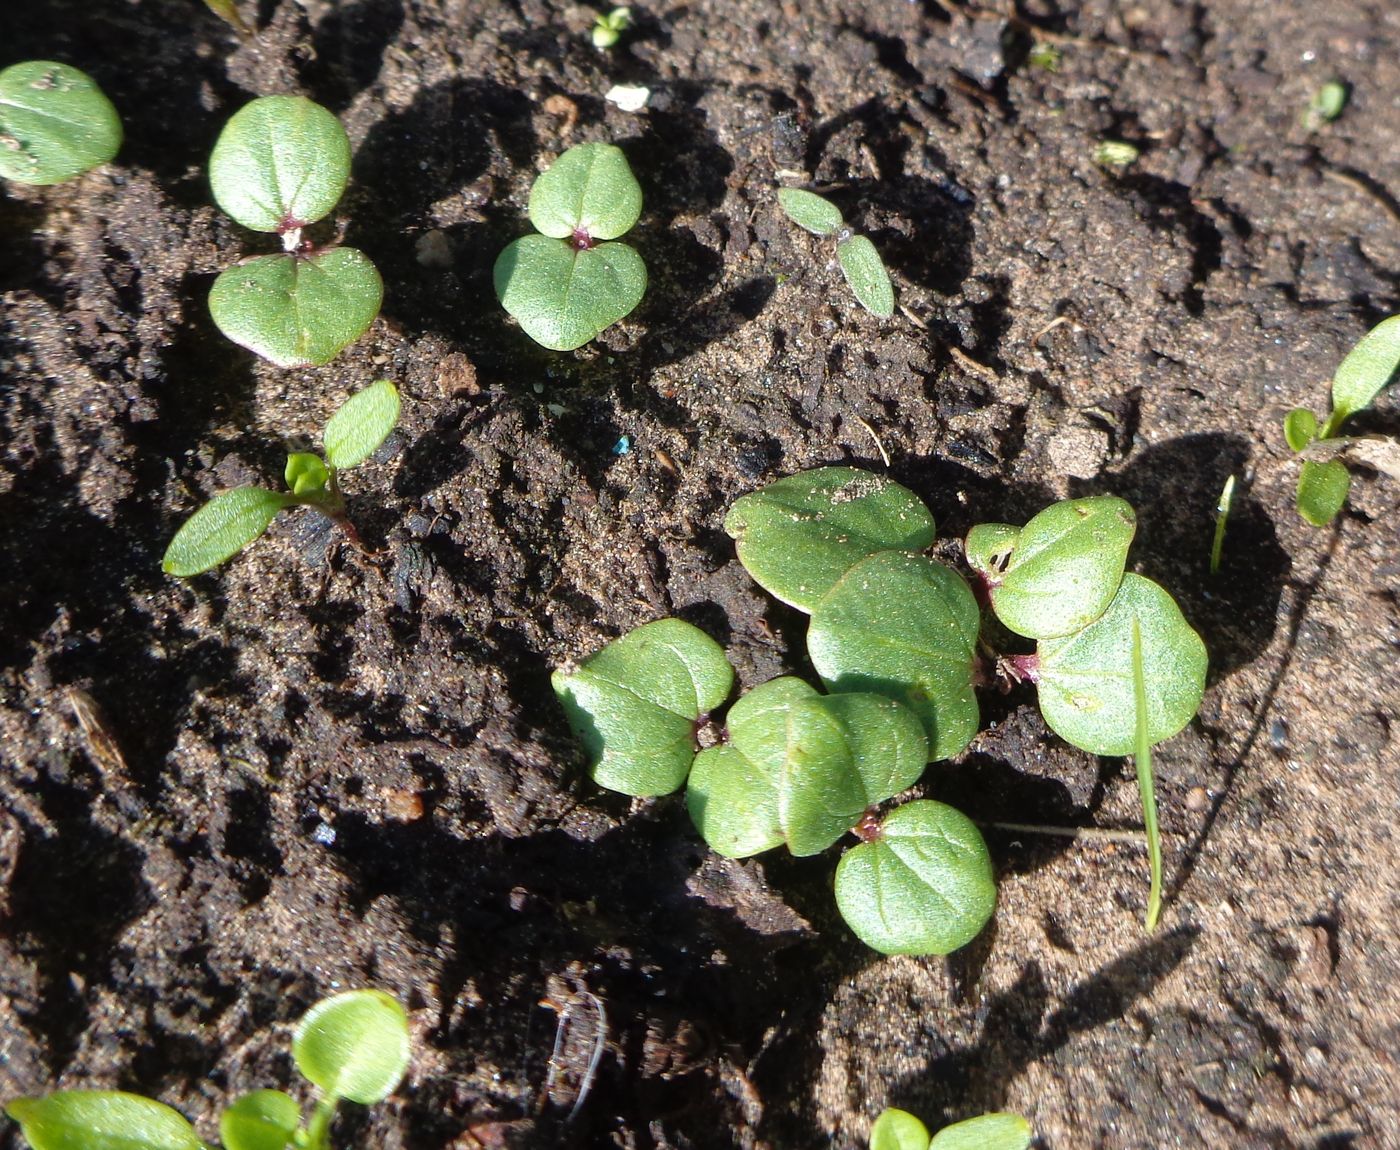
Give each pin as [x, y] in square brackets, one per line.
[1093, 834]
[600, 1043]
[971, 364]
[880, 447]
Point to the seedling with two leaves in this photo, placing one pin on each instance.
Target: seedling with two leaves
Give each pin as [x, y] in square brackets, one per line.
[1364, 373]
[55, 123]
[860, 262]
[229, 522]
[354, 1047]
[568, 284]
[900, 1130]
[280, 165]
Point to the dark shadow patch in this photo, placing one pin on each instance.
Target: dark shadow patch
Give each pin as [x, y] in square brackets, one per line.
[349, 45]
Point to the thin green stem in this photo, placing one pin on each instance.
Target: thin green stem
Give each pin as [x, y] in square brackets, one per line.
[1146, 787]
[318, 1130]
[1222, 517]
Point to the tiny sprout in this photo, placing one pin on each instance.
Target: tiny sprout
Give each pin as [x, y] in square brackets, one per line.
[900, 1130]
[55, 123]
[1046, 57]
[1117, 154]
[232, 520]
[1327, 104]
[860, 262]
[1222, 517]
[609, 27]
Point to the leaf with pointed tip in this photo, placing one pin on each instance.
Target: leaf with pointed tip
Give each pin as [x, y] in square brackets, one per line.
[808, 210]
[902, 625]
[281, 162]
[1322, 490]
[563, 297]
[1085, 680]
[898, 1130]
[1000, 1131]
[298, 310]
[799, 535]
[55, 123]
[101, 1120]
[222, 528]
[589, 189]
[866, 275]
[261, 1120]
[1299, 428]
[1364, 373]
[925, 885]
[634, 704]
[353, 1045]
[361, 424]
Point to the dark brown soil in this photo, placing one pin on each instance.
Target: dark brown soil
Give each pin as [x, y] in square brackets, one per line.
[335, 772]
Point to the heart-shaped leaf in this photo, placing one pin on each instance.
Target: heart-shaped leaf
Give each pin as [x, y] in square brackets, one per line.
[924, 885]
[353, 1045]
[280, 163]
[902, 625]
[898, 1130]
[634, 705]
[221, 529]
[865, 273]
[798, 536]
[298, 310]
[1085, 680]
[361, 424]
[985, 1132]
[101, 1120]
[1063, 568]
[55, 123]
[564, 297]
[589, 190]
[262, 1120]
[802, 767]
[808, 210]
[1322, 490]
[1366, 370]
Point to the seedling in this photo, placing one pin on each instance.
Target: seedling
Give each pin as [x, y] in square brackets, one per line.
[609, 27]
[55, 123]
[229, 522]
[354, 1047]
[280, 164]
[1116, 154]
[860, 263]
[1223, 507]
[1325, 481]
[566, 285]
[900, 1130]
[1328, 103]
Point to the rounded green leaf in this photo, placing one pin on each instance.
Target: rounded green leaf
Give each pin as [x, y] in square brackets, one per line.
[798, 536]
[101, 1120]
[634, 705]
[1322, 490]
[1063, 569]
[305, 473]
[1366, 370]
[988, 548]
[925, 885]
[733, 803]
[361, 424]
[1085, 682]
[1299, 428]
[353, 1045]
[55, 123]
[904, 626]
[280, 163]
[221, 529]
[589, 190]
[262, 1120]
[898, 1130]
[563, 297]
[865, 273]
[808, 210]
[999, 1131]
[298, 310]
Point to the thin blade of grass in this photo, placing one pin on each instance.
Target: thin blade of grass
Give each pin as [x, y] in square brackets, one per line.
[1146, 786]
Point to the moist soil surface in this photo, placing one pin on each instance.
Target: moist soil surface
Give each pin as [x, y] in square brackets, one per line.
[226, 797]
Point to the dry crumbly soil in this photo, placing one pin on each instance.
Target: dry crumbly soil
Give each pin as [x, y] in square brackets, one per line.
[317, 771]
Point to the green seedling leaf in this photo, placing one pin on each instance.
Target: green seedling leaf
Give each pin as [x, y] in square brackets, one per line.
[635, 704]
[55, 123]
[562, 296]
[988, 548]
[353, 1045]
[361, 424]
[1327, 104]
[986, 1132]
[924, 885]
[227, 11]
[1085, 680]
[798, 536]
[1063, 569]
[898, 1130]
[305, 474]
[101, 1120]
[221, 529]
[280, 163]
[802, 768]
[1365, 372]
[262, 1120]
[1223, 506]
[865, 273]
[808, 210]
[1322, 490]
[1299, 428]
[608, 28]
[589, 193]
[904, 626]
[1147, 791]
[298, 310]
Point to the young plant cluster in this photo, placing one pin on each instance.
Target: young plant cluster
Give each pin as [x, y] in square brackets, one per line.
[1325, 480]
[896, 639]
[354, 1047]
[900, 1130]
[860, 263]
[55, 123]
